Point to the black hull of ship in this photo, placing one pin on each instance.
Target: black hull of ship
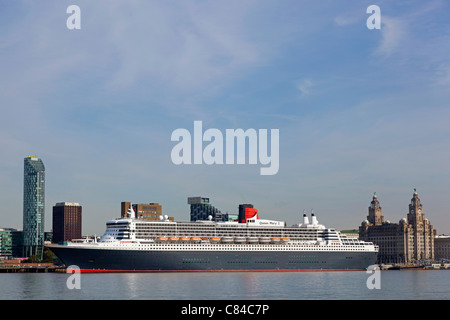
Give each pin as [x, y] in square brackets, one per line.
[123, 260]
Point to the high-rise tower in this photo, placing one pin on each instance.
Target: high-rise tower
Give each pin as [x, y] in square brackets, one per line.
[66, 221]
[33, 206]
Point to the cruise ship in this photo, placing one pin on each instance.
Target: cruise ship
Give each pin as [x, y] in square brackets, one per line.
[248, 244]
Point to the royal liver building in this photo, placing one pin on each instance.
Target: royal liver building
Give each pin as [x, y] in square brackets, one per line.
[409, 240]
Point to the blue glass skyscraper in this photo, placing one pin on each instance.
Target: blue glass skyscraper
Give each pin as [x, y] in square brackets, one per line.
[33, 206]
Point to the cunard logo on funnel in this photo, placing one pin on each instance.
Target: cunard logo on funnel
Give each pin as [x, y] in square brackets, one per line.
[190, 149]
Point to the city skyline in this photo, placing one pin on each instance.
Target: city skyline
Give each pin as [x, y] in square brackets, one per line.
[358, 110]
[29, 158]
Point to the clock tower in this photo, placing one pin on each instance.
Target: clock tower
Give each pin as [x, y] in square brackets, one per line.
[415, 214]
[422, 244]
[375, 217]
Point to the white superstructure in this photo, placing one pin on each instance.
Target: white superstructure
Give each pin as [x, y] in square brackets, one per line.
[254, 235]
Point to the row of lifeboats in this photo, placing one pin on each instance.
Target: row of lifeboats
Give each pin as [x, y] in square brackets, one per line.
[249, 240]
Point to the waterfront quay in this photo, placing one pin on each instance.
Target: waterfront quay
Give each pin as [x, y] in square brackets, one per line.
[30, 267]
[433, 266]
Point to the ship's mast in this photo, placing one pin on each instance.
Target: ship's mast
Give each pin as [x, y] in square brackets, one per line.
[131, 212]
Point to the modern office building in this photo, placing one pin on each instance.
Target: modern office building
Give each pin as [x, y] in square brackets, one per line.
[409, 240]
[66, 221]
[11, 243]
[145, 211]
[5, 243]
[33, 206]
[201, 209]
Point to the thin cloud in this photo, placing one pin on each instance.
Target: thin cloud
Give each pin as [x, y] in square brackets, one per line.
[183, 51]
[305, 86]
[393, 31]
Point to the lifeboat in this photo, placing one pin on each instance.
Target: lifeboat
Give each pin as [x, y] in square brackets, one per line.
[275, 240]
[215, 239]
[227, 239]
[264, 240]
[185, 239]
[174, 239]
[161, 239]
[196, 239]
[285, 240]
[252, 240]
[240, 239]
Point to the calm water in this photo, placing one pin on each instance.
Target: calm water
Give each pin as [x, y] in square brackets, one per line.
[418, 284]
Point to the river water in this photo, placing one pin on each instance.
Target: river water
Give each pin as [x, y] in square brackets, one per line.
[334, 285]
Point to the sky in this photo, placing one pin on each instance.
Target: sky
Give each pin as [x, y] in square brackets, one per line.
[358, 110]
